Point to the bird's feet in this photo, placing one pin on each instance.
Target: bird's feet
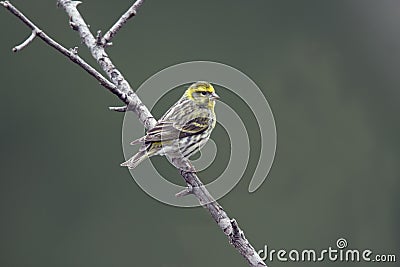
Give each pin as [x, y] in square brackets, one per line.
[184, 165]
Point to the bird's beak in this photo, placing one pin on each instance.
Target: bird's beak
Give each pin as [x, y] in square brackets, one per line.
[214, 96]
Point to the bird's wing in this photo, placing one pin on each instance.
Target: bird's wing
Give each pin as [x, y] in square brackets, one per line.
[165, 130]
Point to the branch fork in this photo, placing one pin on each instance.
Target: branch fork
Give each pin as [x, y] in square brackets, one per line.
[26, 42]
[131, 12]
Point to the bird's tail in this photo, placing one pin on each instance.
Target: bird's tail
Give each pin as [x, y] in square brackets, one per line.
[136, 159]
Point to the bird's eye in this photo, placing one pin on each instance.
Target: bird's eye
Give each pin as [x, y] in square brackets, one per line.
[203, 93]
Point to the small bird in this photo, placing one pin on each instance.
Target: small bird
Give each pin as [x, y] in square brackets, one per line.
[182, 130]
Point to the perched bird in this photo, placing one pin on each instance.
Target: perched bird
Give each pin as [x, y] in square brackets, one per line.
[182, 130]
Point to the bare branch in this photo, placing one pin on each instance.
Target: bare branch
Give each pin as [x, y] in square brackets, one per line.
[26, 42]
[122, 89]
[106, 64]
[229, 227]
[131, 12]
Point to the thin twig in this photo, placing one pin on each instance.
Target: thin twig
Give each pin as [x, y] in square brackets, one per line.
[187, 191]
[119, 109]
[195, 186]
[131, 12]
[31, 37]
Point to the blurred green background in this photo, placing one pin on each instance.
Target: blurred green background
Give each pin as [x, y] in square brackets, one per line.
[329, 70]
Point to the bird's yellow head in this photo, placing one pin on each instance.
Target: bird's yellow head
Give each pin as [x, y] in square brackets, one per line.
[202, 93]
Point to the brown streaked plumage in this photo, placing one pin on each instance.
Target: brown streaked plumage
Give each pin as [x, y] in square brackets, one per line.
[183, 129]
